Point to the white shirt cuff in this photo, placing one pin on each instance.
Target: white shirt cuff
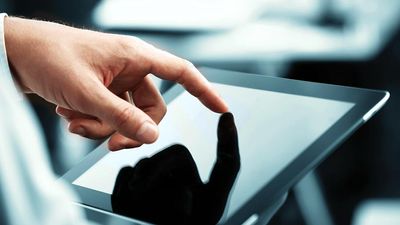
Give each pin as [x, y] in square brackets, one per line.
[5, 72]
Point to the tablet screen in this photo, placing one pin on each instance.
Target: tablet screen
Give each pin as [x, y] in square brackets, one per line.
[273, 128]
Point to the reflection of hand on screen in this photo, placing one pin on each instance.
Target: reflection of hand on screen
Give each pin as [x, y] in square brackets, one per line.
[166, 188]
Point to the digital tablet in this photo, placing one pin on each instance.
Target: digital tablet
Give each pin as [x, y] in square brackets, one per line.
[285, 129]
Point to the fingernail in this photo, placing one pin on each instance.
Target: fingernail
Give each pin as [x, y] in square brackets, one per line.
[148, 132]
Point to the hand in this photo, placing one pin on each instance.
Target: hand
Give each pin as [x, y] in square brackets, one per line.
[167, 189]
[88, 75]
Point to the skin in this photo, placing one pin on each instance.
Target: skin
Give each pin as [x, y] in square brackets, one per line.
[87, 74]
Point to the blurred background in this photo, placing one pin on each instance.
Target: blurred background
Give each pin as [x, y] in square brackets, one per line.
[346, 42]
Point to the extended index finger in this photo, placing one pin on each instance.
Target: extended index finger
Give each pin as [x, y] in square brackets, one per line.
[170, 67]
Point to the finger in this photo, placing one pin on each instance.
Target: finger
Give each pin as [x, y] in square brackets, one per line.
[118, 142]
[71, 114]
[84, 125]
[122, 116]
[170, 67]
[90, 128]
[149, 100]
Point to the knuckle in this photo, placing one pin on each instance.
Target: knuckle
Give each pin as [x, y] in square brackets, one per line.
[129, 43]
[185, 69]
[102, 132]
[136, 48]
[123, 116]
[132, 42]
[187, 65]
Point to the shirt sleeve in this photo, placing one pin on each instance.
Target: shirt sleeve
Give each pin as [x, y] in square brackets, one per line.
[5, 71]
[29, 190]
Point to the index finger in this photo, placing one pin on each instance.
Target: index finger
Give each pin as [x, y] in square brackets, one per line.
[170, 67]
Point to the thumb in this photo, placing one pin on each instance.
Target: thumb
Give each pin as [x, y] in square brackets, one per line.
[122, 116]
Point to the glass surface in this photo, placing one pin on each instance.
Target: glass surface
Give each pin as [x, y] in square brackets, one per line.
[273, 128]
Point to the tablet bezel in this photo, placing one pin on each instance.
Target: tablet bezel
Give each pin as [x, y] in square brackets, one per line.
[366, 104]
